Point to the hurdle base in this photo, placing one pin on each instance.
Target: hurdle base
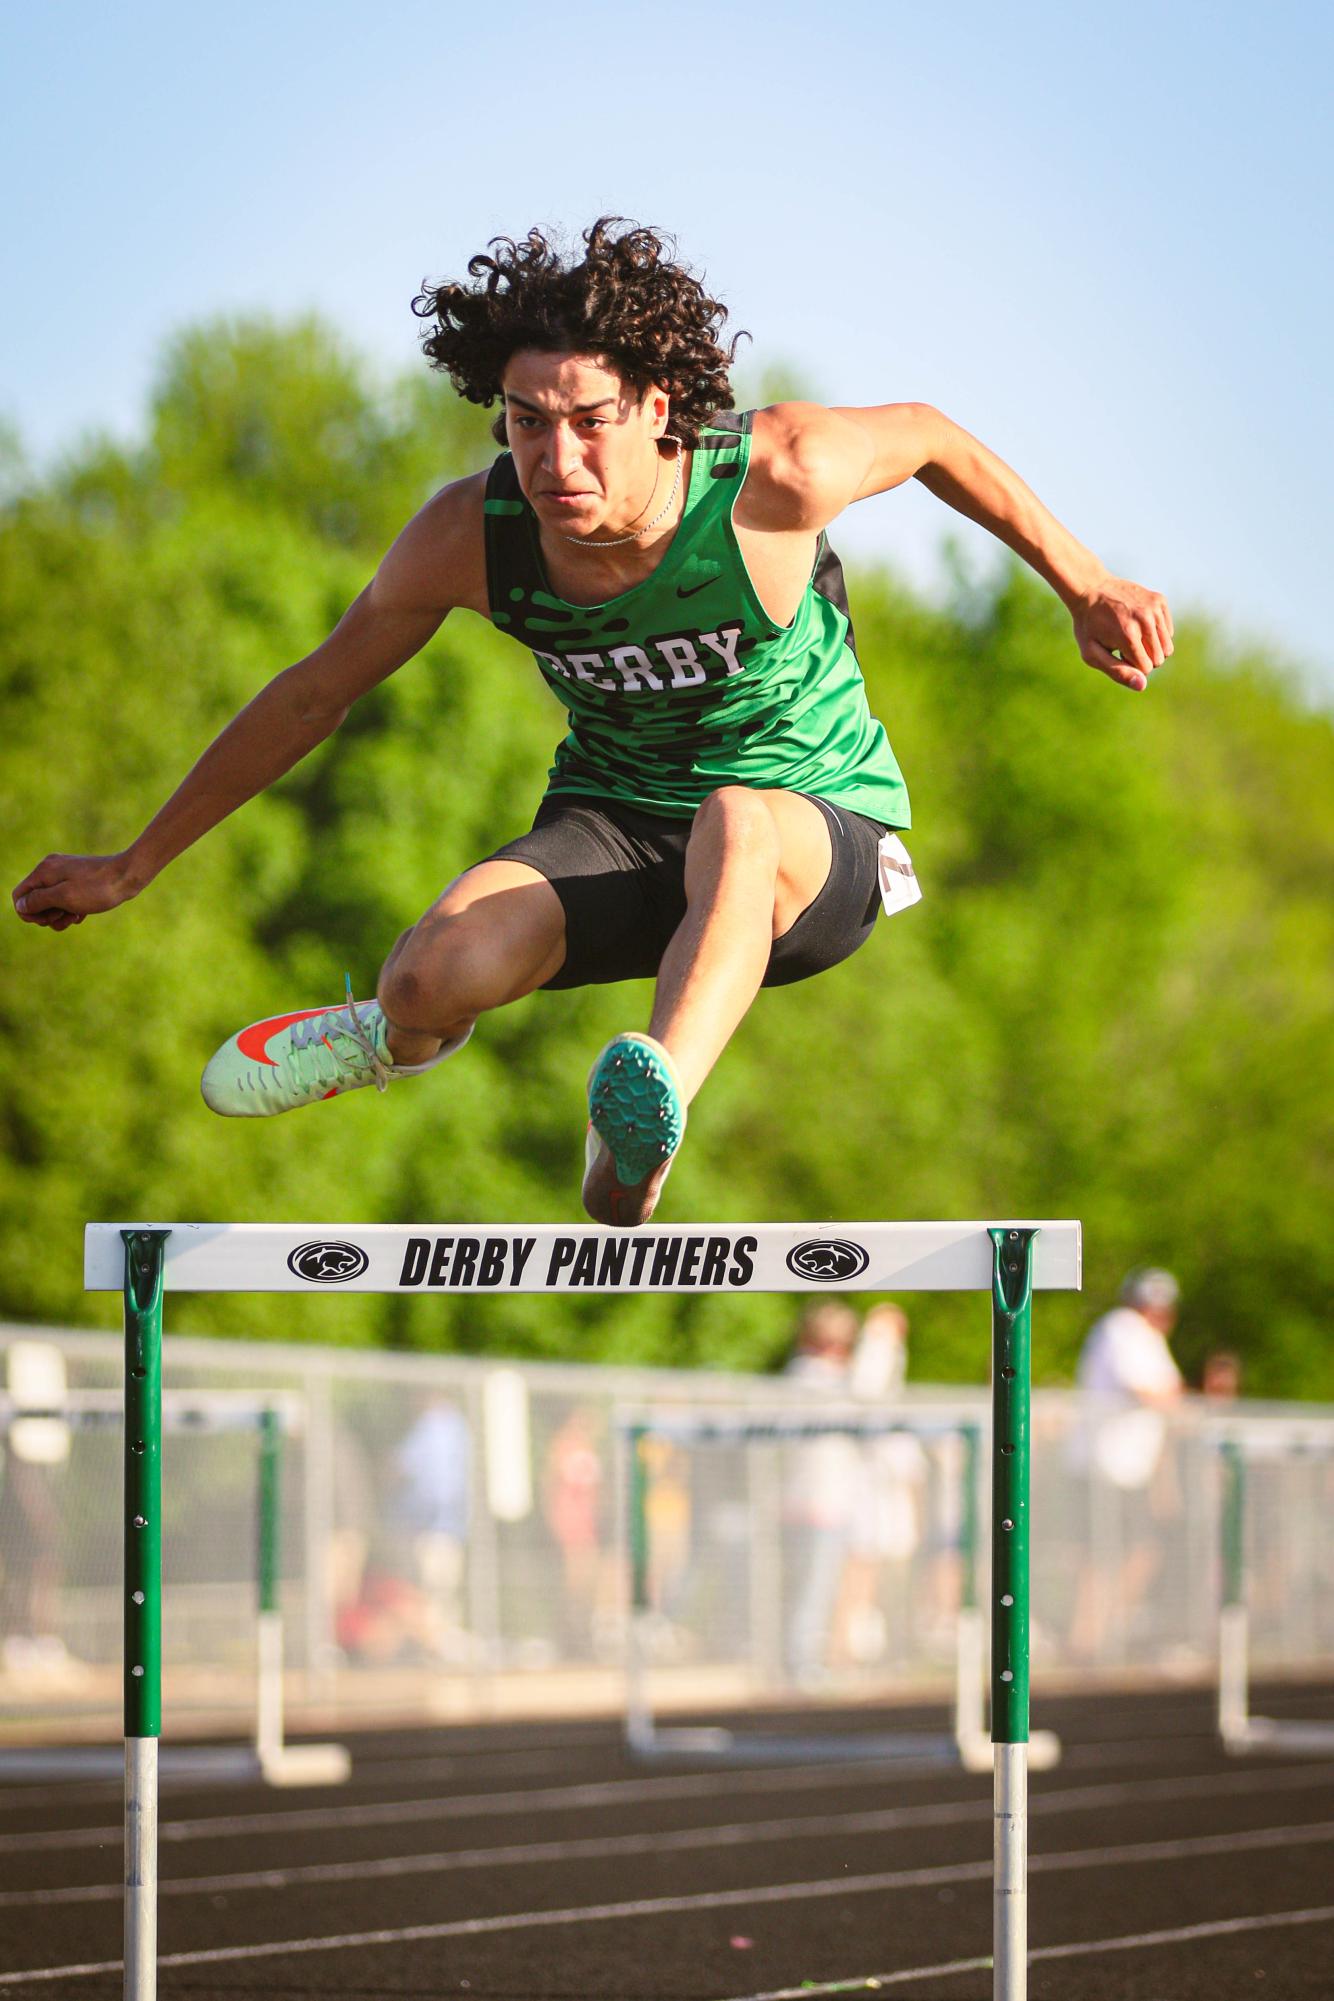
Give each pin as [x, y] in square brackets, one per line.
[1280, 1737]
[306, 1765]
[756, 1747]
[222, 1764]
[977, 1752]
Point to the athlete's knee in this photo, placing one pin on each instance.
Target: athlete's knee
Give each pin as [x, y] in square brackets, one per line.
[408, 1001]
[445, 968]
[738, 823]
[396, 951]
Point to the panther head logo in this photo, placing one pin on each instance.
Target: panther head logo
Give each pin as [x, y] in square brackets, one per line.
[828, 1260]
[328, 1264]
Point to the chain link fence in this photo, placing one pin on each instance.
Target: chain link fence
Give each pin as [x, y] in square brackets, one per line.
[454, 1540]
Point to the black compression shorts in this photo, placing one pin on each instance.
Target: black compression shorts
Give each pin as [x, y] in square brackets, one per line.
[620, 876]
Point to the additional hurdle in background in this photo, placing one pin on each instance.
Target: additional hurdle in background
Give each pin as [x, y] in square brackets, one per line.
[280, 1763]
[1239, 1730]
[968, 1742]
[1009, 1259]
[201, 1414]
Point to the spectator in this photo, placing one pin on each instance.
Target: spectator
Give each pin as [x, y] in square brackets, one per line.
[429, 1507]
[572, 1503]
[1130, 1381]
[880, 1359]
[822, 1490]
[1221, 1375]
[669, 1511]
[352, 1491]
[33, 1455]
[885, 1525]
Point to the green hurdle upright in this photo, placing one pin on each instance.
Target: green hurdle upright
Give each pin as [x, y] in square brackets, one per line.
[143, 1601]
[269, 1698]
[1233, 1694]
[280, 1763]
[1011, 1326]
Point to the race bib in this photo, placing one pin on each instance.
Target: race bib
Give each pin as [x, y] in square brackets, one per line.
[898, 880]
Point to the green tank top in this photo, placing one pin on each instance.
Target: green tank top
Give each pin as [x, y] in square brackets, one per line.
[684, 683]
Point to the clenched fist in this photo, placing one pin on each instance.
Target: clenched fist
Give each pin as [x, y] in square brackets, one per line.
[1118, 618]
[64, 889]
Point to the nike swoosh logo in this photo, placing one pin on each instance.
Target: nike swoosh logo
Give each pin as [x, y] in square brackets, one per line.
[695, 589]
[251, 1041]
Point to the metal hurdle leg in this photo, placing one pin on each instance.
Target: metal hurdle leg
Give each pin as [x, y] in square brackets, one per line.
[143, 1600]
[1233, 1638]
[1238, 1729]
[639, 1731]
[269, 1637]
[280, 1763]
[1011, 1323]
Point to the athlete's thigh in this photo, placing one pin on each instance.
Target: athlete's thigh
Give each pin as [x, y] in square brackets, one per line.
[617, 874]
[842, 915]
[806, 854]
[741, 826]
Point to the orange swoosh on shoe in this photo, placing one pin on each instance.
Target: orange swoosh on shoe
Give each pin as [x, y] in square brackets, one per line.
[252, 1041]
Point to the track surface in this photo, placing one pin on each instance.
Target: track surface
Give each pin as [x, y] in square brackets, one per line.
[540, 1863]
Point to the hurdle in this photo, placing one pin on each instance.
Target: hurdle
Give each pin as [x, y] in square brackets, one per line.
[202, 1414]
[1007, 1259]
[967, 1742]
[1239, 1731]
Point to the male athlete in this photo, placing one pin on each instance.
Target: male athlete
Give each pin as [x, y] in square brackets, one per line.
[713, 816]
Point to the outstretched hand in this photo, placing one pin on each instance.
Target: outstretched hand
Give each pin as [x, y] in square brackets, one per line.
[1123, 630]
[64, 889]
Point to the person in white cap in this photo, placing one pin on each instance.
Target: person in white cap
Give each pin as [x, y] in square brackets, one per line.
[1130, 1380]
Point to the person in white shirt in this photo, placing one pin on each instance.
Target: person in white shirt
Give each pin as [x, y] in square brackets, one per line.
[885, 1530]
[1130, 1381]
[821, 1491]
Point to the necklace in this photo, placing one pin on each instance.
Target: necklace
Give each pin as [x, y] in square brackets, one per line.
[581, 542]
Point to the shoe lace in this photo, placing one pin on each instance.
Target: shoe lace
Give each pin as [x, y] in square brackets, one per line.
[315, 1038]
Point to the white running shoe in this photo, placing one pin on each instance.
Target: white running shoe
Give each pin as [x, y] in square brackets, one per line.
[301, 1059]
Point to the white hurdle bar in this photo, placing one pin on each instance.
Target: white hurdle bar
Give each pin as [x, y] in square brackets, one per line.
[1009, 1260]
[545, 1257]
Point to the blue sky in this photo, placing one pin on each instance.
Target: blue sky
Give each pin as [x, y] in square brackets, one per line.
[1099, 239]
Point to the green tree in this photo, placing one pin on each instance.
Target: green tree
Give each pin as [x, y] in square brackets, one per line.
[1112, 1002]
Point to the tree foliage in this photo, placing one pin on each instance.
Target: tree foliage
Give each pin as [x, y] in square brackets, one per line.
[1113, 1002]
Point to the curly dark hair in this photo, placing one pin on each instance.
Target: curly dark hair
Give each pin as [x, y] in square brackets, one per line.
[626, 301]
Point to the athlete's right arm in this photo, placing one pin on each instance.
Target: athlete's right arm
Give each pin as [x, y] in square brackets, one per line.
[435, 565]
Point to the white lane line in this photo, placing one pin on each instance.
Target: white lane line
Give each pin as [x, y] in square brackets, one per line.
[872, 1983]
[391, 1771]
[737, 1834]
[717, 1900]
[380, 1761]
[535, 1799]
[617, 1792]
[379, 1771]
[459, 1764]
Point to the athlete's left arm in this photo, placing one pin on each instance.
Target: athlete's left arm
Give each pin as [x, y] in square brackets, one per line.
[864, 452]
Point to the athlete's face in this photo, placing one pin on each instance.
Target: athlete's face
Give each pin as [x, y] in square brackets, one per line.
[584, 443]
